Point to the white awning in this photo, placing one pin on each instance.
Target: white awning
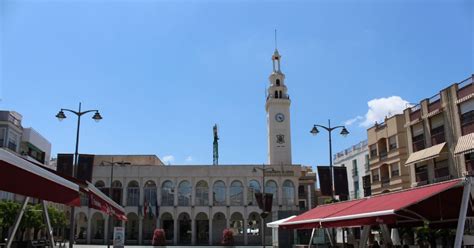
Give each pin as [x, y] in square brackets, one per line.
[277, 223]
[425, 154]
[465, 144]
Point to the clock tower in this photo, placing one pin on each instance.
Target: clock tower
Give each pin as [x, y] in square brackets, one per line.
[278, 116]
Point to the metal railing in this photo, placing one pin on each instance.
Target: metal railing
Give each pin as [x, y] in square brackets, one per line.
[385, 182]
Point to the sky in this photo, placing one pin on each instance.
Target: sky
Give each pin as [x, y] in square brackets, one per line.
[162, 73]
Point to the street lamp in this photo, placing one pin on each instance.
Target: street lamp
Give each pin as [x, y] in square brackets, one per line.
[61, 116]
[264, 214]
[314, 131]
[112, 165]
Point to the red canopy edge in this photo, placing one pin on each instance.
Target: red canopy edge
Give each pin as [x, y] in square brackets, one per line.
[378, 209]
[23, 177]
[100, 201]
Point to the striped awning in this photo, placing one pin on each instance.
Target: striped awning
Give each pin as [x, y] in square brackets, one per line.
[465, 144]
[425, 154]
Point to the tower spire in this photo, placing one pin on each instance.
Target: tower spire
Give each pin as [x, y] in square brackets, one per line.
[276, 44]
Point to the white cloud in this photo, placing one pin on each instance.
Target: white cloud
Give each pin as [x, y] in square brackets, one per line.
[189, 159]
[168, 159]
[380, 108]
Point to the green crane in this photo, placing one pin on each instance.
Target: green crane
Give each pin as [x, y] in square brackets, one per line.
[215, 144]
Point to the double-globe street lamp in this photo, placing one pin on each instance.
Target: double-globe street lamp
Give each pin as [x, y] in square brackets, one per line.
[264, 213]
[61, 116]
[112, 165]
[314, 131]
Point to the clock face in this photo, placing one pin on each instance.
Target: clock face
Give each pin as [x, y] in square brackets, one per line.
[280, 117]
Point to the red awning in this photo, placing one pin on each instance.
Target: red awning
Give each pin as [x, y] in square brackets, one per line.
[100, 201]
[20, 176]
[434, 203]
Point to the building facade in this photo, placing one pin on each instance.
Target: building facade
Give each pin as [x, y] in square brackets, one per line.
[194, 204]
[356, 160]
[388, 152]
[440, 135]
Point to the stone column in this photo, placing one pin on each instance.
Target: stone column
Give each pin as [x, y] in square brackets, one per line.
[140, 230]
[210, 228]
[175, 230]
[106, 229]
[193, 231]
[245, 230]
[89, 227]
[310, 205]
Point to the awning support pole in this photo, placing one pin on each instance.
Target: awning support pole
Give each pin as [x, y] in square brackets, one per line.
[312, 236]
[364, 237]
[48, 223]
[17, 222]
[462, 213]
[386, 234]
[331, 237]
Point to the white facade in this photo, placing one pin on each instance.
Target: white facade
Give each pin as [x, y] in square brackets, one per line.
[196, 203]
[356, 160]
[32, 137]
[278, 116]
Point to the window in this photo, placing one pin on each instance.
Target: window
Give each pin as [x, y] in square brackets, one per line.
[184, 194]
[100, 185]
[167, 194]
[278, 82]
[441, 168]
[133, 194]
[354, 168]
[236, 193]
[392, 142]
[375, 175]
[272, 188]
[356, 190]
[395, 168]
[117, 192]
[367, 164]
[373, 151]
[218, 191]
[288, 193]
[2, 137]
[418, 138]
[421, 172]
[12, 141]
[276, 94]
[150, 193]
[467, 116]
[254, 187]
[437, 129]
[202, 193]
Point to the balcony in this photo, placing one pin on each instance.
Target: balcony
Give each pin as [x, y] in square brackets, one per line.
[383, 154]
[437, 138]
[434, 103]
[385, 182]
[415, 112]
[442, 179]
[465, 88]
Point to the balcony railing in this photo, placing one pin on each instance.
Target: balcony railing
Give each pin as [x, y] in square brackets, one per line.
[383, 155]
[441, 179]
[465, 87]
[385, 182]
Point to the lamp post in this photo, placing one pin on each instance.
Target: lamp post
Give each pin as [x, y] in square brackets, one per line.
[263, 214]
[314, 131]
[61, 116]
[112, 165]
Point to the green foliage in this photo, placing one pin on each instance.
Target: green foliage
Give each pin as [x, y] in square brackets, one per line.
[57, 218]
[8, 212]
[330, 200]
[32, 218]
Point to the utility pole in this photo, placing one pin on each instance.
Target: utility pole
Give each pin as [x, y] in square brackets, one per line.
[215, 144]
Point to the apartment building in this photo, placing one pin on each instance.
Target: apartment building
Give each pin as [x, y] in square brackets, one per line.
[387, 144]
[356, 160]
[440, 135]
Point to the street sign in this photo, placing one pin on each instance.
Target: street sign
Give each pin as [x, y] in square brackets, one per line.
[119, 237]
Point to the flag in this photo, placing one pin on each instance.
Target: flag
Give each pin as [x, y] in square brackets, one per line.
[157, 209]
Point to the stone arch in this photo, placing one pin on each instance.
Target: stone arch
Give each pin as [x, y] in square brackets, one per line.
[184, 193]
[167, 224]
[81, 228]
[237, 227]
[97, 228]
[271, 186]
[117, 191]
[133, 193]
[184, 228]
[253, 187]
[236, 193]
[150, 196]
[219, 193]
[202, 193]
[218, 226]
[131, 229]
[254, 227]
[167, 193]
[202, 228]
[288, 193]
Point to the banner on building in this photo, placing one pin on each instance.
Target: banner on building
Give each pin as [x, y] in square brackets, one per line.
[119, 237]
[341, 185]
[325, 184]
[64, 163]
[84, 168]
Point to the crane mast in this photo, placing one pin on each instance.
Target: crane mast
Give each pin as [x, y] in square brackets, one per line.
[215, 144]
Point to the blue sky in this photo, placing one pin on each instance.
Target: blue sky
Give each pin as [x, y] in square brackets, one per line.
[163, 72]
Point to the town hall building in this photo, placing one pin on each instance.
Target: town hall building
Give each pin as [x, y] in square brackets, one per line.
[195, 203]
